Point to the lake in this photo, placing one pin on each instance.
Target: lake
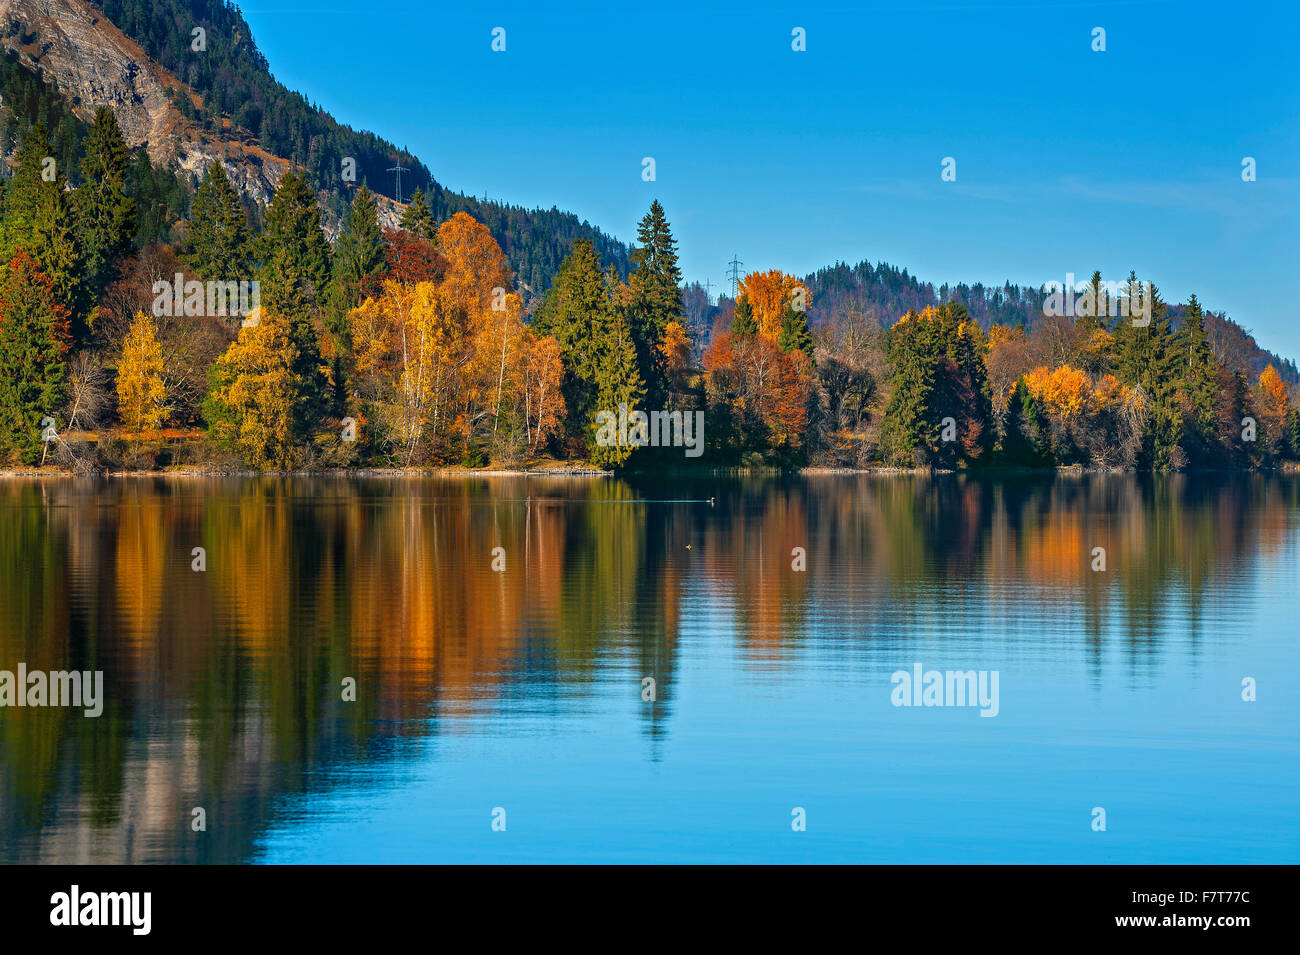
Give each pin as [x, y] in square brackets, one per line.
[706, 669]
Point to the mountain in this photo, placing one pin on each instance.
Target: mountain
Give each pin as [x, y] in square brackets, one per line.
[64, 58]
[236, 96]
[188, 109]
[70, 43]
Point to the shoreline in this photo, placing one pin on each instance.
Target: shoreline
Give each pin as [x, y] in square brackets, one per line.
[594, 472]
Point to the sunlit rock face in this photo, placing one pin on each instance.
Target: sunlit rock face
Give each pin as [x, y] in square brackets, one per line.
[95, 64]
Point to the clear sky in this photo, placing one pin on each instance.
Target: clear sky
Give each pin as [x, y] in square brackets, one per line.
[1067, 159]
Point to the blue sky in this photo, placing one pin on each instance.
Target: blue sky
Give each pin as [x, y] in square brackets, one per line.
[1067, 159]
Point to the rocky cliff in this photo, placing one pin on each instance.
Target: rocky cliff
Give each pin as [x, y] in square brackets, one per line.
[95, 65]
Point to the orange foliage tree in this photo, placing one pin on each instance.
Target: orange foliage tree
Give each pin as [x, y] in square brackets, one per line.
[768, 293]
[445, 365]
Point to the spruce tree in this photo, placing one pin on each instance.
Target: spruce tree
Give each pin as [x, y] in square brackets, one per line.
[34, 340]
[105, 214]
[25, 190]
[294, 252]
[417, 219]
[359, 252]
[575, 312]
[618, 386]
[656, 298]
[358, 259]
[294, 279]
[217, 243]
[54, 245]
[1199, 384]
[743, 323]
[794, 332]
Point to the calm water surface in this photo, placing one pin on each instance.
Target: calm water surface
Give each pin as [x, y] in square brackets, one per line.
[521, 689]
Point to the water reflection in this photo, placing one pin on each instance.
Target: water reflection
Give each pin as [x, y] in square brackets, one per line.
[224, 686]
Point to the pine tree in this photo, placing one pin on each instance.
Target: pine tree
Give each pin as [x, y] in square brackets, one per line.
[1199, 385]
[141, 393]
[358, 259]
[294, 280]
[417, 219]
[576, 312]
[656, 297]
[618, 385]
[105, 214]
[359, 252]
[743, 323]
[294, 252]
[217, 243]
[54, 245]
[34, 339]
[794, 332]
[25, 191]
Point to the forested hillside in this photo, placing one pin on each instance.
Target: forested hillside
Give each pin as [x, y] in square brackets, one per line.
[237, 87]
[884, 292]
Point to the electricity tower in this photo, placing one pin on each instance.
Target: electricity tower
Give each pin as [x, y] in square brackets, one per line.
[734, 274]
[397, 175]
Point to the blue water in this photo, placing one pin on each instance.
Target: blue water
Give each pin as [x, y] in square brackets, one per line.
[522, 690]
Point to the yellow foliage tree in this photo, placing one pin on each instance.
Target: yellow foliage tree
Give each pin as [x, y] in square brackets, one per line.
[141, 393]
[543, 373]
[250, 407]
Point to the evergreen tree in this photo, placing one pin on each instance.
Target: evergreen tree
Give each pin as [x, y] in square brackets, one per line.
[656, 298]
[937, 372]
[1146, 358]
[358, 259]
[25, 190]
[1198, 379]
[105, 214]
[576, 312]
[794, 332]
[359, 252]
[34, 340]
[54, 245]
[618, 383]
[294, 279]
[1026, 441]
[417, 219]
[217, 243]
[743, 323]
[294, 252]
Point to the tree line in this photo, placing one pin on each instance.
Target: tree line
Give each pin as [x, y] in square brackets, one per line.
[414, 347]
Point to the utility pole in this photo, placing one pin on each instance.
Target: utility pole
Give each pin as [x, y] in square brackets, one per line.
[397, 175]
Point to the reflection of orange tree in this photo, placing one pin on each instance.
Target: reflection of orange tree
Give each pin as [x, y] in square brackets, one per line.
[751, 561]
[391, 582]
